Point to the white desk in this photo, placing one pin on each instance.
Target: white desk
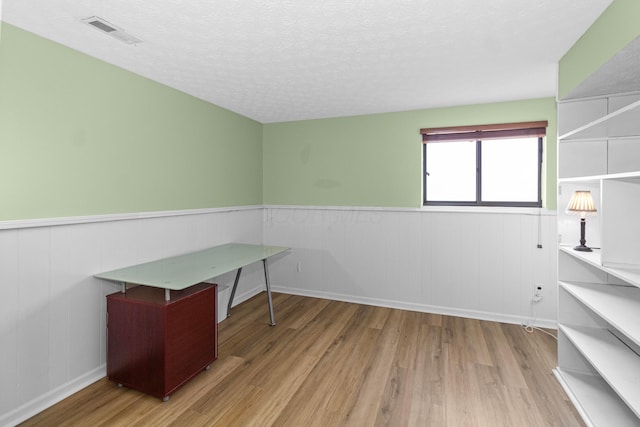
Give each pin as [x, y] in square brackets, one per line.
[182, 271]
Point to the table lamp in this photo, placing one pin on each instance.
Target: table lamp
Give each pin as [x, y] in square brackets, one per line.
[582, 203]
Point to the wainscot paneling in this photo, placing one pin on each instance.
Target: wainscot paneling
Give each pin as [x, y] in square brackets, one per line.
[471, 263]
[52, 311]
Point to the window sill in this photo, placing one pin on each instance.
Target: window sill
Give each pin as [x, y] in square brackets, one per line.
[489, 210]
[426, 209]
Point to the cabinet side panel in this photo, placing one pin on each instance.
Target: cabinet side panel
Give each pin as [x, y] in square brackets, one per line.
[573, 114]
[624, 155]
[582, 158]
[577, 314]
[619, 101]
[626, 124]
[192, 331]
[620, 226]
[135, 346]
[570, 358]
[571, 269]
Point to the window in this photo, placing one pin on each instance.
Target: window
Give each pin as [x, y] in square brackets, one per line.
[485, 165]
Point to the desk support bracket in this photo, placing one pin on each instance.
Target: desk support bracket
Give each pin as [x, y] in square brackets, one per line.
[266, 279]
[272, 320]
[233, 291]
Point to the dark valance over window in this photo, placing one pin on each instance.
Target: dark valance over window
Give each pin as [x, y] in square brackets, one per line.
[485, 132]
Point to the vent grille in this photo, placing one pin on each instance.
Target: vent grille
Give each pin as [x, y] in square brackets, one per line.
[101, 26]
[111, 30]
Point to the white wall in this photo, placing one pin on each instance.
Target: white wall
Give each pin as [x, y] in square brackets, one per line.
[52, 311]
[481, 265]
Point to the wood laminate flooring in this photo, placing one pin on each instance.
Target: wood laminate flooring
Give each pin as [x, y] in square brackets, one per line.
[330, 363]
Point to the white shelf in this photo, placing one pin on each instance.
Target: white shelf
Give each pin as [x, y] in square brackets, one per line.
[595, 400]
[592, 258]
[605, 126]
[599, 295]
[629, 275]
[600, 139]
[614, 361]
[594, 178]
[618, 305]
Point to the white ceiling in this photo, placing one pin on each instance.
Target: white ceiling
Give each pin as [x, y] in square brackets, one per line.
[288, 60]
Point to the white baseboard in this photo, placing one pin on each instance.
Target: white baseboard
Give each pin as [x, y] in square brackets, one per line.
[423, 308]
[240, 298]
[52, 397]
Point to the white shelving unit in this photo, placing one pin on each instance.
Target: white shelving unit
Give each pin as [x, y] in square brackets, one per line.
[599, 291]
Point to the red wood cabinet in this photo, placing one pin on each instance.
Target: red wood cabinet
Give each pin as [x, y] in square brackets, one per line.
[155, 346]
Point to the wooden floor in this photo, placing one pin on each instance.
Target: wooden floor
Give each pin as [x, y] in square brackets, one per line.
[329, 363]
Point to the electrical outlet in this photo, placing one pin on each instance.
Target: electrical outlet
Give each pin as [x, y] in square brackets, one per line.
[299, 267]
[537, 293]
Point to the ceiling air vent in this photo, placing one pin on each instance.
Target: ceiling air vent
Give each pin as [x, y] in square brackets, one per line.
[111, 30]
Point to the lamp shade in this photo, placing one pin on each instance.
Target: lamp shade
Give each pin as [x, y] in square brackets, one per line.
[581, 201]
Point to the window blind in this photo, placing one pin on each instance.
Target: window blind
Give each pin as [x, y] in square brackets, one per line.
[484, 132]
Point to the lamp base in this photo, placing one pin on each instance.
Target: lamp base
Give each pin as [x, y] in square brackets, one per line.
[582, 248]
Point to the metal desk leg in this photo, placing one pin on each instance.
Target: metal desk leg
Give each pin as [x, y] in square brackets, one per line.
[233, 291]
[266, 278]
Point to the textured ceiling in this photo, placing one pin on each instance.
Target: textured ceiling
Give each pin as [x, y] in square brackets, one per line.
[618, 75]
[288, 60]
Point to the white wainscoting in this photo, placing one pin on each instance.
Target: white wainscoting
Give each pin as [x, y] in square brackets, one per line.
[463, 263]
[52, 311]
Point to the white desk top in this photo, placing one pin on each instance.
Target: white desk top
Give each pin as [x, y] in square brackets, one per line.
[182, 271]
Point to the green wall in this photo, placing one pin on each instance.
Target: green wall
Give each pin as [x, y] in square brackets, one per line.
[618, 25]
[81, 137]
[376, 160]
